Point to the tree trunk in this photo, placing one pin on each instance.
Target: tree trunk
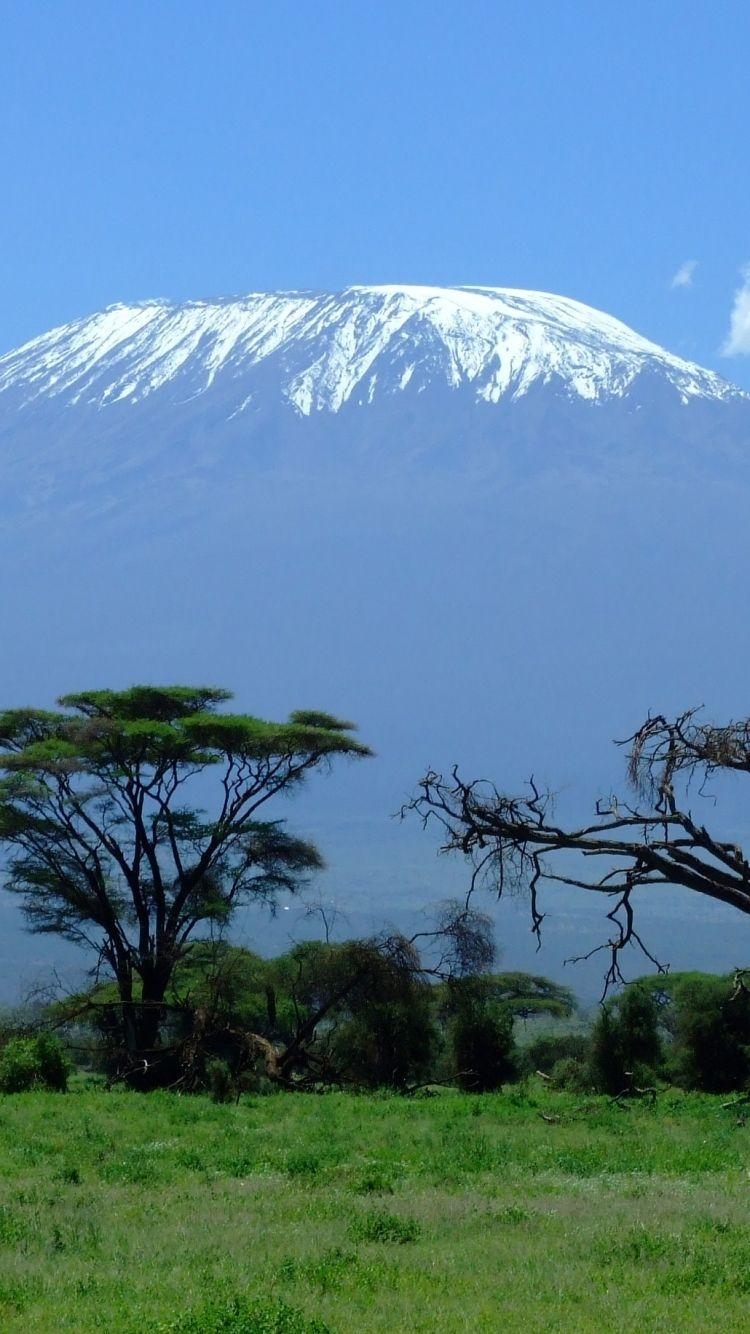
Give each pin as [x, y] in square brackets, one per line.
[140, 1064]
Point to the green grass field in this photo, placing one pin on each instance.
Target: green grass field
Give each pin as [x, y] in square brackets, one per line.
[121, 1212]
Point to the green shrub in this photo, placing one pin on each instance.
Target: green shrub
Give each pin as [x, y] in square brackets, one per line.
[241, 1315]
[625, 1042]
[380, 1225]
[327, 1272]
[70, 1173]
[19, 1067]
[387, 1043]
[372, 1180]
[712, 1035]
[54, 1067]
[220, 1082]
[571, 1074]
[549, 1049]
[38, 1062]
[481, 1038]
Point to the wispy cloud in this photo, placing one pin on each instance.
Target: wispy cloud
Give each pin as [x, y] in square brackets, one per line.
[685, 274]
[738, 338]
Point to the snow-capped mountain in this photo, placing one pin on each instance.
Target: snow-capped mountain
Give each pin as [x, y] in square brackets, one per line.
[155, 405]
[494, 527]
[317, 352]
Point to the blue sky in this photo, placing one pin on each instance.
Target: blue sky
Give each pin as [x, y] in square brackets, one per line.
[181, 149]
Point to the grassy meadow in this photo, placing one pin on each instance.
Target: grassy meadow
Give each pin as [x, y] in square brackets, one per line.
[297, 1213]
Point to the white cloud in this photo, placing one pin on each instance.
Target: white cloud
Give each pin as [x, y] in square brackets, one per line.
[738, 338]
[685, 274]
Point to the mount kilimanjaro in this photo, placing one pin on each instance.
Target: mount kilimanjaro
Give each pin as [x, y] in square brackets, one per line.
[99, 414]
[495, 527]
[317, 352]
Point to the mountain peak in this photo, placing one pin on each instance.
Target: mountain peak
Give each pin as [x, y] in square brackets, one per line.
[319, 351]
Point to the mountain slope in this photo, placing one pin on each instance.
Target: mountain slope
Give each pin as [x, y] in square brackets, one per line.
[151, 410]
[327, 350]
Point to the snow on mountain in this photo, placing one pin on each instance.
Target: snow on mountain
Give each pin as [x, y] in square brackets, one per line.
[325, 350]
[531, 532]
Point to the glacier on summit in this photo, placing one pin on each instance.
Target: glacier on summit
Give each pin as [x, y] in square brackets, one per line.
[322, 351]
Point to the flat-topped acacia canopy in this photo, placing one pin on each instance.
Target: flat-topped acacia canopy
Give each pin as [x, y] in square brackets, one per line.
[160, 725]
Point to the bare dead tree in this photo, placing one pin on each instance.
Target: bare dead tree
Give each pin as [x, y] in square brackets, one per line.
[328, 912]
[514, 843]
[458, 943]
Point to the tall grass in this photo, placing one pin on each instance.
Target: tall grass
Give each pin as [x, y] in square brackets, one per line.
[127, 1213]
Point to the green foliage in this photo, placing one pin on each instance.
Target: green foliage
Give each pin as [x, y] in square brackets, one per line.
[229, 980]
[381, 1225]
[527, 995]
[625, 1043]
[243, 1315]
[328, 1272]
[545, 1051]
[388, 1043]
[571, 1073]
[106, 850]
[54, 1066]
[705, 1020]
[33, 1062]
[372, 1180]
[481, 1036]
[378, 1011]
[353, 1012]
[219, 1080]
[605, 1218]
[316, 978]
[712, 1034]
[356, 1012]
[19, 1066]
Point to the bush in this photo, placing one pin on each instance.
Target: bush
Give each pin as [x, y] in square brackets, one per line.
[386, 1045]
[546, 1051]
[220, 1082]
[19, 1067]
[240, 1315]
[571, 1074]
[482, 1042]
[54, 1066]
[38, 1062]
[625, 1042]
[380, 1225]
[712, 1035]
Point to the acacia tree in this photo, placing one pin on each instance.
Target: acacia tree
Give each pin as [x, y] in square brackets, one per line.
[630, 846]
[105, 848]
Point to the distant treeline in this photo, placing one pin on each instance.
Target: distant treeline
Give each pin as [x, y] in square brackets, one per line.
[366, 1014]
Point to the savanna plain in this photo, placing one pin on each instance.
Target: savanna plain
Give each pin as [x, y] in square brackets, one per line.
[525, 1209]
